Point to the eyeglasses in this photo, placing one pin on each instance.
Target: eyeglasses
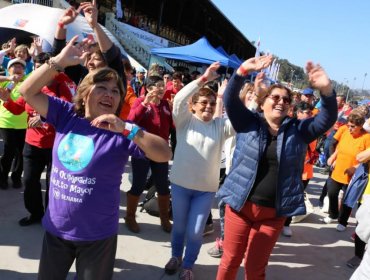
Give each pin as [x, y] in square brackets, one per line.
[205, 103]
[277, 98]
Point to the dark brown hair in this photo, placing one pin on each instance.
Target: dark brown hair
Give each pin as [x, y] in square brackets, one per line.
[280, 86]
[356, 117]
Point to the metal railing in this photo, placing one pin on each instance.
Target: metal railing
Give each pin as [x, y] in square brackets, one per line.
[134, 47]
[48, 3]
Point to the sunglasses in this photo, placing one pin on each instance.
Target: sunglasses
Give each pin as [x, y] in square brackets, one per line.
[277, 98]
[205, 103]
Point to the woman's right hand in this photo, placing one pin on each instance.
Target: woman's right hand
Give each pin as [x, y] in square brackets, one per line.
[109, 122]
[211, 72]
[72, 54]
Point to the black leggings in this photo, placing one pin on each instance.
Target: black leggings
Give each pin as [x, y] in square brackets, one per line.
[334, 188]
[13, 148]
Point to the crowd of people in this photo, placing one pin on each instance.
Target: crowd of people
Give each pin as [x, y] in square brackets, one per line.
[81, 112]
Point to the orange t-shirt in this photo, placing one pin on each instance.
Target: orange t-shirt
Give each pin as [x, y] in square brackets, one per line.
[308, 168]
[127, 103]
[348, 147]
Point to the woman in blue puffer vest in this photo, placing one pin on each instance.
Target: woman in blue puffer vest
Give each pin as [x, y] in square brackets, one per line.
[264, 185]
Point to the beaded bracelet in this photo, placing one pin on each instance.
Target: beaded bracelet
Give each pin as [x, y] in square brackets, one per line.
[55, 66]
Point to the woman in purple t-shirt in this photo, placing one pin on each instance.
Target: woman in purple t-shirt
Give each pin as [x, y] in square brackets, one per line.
[90, 151]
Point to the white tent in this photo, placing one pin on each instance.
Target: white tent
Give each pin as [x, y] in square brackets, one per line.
[42, 21]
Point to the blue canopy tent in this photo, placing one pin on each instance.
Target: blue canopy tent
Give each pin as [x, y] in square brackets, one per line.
[199, 52]
[232, 62]
[236, 58]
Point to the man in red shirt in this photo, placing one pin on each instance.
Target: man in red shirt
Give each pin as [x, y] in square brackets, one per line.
[175, 88]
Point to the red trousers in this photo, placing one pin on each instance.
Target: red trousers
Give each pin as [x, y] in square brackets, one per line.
[252, 234]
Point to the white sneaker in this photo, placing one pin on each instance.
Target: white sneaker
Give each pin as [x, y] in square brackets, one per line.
[327, 220]
[341, 228]
[287, 231]
[325, 207]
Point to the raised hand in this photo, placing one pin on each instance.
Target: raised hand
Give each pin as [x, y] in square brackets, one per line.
[109, 122]
[72, 54]
[318, 78]
[211, 72]
[256, 63]
[91, 13]
[221, 88]
[69, 15]
[12, 44]
[38, 44]
[260, 87]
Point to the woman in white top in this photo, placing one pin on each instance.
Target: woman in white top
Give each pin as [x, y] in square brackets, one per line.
[195, 171]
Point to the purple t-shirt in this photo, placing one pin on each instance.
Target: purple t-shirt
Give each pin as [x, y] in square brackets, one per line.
[86, 174]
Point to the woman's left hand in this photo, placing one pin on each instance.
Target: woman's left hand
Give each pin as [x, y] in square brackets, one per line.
[260, 88]
[318, 78]
[221, 88]
[91, 13]
[109, 122]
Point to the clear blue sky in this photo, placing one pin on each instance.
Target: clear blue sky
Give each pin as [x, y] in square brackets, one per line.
[334, 33]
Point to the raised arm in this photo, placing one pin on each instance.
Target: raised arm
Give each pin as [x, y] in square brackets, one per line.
[220, 103]
[91, 15]
[314, 127]
[30, 88]
[238, 114]
[180, 111]
[68, 16]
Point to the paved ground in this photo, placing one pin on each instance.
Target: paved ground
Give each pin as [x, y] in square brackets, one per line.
[316, 251]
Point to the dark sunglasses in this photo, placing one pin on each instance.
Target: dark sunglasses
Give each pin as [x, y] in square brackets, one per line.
[277, 98]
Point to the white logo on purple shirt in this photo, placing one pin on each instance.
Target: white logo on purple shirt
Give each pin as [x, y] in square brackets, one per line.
[75, 151]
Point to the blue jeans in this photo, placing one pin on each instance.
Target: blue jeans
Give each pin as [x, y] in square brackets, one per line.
[190, 209]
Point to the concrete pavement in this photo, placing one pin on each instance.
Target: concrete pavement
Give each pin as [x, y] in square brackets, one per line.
[315, 251]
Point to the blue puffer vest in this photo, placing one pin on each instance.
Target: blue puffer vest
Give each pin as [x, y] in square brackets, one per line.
[357, 185]
[250, 145]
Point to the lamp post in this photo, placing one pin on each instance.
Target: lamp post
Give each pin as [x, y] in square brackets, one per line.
[363, 83]
[353, 86]
[291, 77]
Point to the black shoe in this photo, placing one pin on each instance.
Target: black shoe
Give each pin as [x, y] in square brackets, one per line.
[29, 220]
[17, 183]
[4, 184]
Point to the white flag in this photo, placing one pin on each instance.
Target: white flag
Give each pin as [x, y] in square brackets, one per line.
[258, 47]
[119, 9]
